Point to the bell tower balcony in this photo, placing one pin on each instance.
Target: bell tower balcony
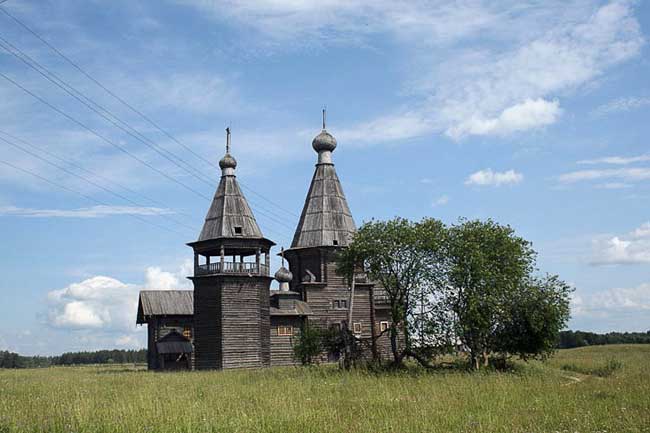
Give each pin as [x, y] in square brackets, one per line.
[232, 256]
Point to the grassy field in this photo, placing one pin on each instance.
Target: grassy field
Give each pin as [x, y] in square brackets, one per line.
[596, 389]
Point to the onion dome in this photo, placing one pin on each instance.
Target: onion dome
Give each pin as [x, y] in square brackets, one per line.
[324, 141]
[283, 275]
[228, 161]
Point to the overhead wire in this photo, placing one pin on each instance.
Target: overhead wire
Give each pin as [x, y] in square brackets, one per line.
[89, 103]
[87, 197]
[129, 106]
[93, 183]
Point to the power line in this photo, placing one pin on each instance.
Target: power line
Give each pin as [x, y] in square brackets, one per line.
[53, 78]
[90, 104]
[107, 140]
[132, 108]
[79, 167]
[79, 96]
[58, 185]
[91, 182]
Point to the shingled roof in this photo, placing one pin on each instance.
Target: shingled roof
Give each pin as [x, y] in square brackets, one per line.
[229, 215]
[326, 219]
[164, 303]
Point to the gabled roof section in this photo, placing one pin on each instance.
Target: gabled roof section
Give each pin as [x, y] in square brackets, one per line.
[326, 219]
[174, 342]
[165, 303]
[229, 215]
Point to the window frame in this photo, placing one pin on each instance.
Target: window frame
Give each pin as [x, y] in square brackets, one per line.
[285, 330]
[356, 325]
[382, 324]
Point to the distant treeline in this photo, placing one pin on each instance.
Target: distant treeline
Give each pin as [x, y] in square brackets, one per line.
[14, 360]
[569, 339]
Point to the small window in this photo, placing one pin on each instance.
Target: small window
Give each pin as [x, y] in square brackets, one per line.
[357, 328]
[285, 330]
[383, 326]
[335, 326]
[335, 242]
[187, 332]
[237, 230]
[344, 303]
[339, 304]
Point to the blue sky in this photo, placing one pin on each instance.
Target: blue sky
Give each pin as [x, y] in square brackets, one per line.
[532, 113]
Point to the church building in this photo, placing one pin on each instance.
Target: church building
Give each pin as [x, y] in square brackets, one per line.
[232, 319]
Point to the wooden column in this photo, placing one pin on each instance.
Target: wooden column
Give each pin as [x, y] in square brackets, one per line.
[196, 263]
[267, 260]
[257, 260]
[223, 258]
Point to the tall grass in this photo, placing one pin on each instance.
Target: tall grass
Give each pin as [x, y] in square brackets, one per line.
[534, 397]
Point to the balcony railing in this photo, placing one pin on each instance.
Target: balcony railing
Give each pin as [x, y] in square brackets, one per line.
[245, 268]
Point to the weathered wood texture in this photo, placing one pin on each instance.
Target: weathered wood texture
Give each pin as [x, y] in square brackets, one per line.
[282, 345]
[229, 214]
[326, 218]
[160, 326]
[231, 321]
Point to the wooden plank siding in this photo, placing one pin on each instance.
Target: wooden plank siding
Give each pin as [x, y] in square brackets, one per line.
[282, 345]
[232, 325]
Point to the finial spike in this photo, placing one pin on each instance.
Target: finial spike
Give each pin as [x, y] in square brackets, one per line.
[228, 139]
[324, 114]
[282, 255]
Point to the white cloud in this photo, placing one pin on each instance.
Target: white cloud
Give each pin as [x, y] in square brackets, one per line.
[622, 105]
[612, 301]
[88, 212]
[614, 185]
[519, 117]
[633, 248]
[621, 174]
[106, 305]
[494, 178]
[617, 160]
[441, 201]
[516, 85]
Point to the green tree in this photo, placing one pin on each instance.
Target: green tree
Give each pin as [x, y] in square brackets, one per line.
[407, 260]
[535, 315]
[309, 344]
[497, 304]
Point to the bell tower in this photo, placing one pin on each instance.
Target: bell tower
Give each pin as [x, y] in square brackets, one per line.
[231, 280]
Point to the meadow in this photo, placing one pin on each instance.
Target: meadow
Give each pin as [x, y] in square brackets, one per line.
[593, 389]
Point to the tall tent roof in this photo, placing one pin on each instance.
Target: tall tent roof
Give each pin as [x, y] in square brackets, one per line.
[229, 215]
[326, 219]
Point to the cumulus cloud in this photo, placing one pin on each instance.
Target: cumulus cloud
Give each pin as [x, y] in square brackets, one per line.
[86, 212]
[519, 117]
[97, 302]
[494, 178]
[632, 248]
[107, 305]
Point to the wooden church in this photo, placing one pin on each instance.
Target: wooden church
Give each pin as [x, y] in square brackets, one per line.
[232, 319]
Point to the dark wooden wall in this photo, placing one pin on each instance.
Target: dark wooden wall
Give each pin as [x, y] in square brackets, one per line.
[281, 345]
[231, 321]
[158, 327]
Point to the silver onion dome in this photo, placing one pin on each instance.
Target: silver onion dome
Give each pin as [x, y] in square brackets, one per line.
[283, 275]
[228, 161]
[324, 141]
